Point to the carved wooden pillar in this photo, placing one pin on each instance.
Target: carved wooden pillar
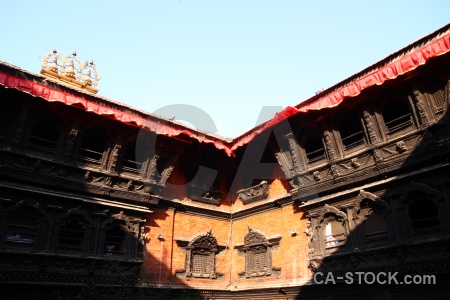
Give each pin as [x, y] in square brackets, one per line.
[314, 236]
[168, 168]
[151, 168]
[112, 165]
[370, 128]
[402, 221]
[423, 110]
[71, 140]
[329, 144]
[319, 241]
[298, 163]
[352, 226]
[52, 235]
[20, 129]
[284, 156]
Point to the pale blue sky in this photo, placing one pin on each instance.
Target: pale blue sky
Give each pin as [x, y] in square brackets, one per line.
[229, 58]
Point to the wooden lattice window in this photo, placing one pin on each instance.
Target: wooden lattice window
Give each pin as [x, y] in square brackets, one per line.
[334, 233]
[201, 263]
[438, 94]
[200, 256]
[396, 114]
[71, 235]
[93, 144]
[45, 135]
[424, 214]
[258, 259]
[375, 226]
[115, 240]
[22, 229]
[257, 250]
[132, 161]
[350, 129]
[314, 148]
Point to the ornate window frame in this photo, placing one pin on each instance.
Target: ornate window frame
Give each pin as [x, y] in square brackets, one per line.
[376, 205]
[202, 246]
[90, 131]
[257, 250]
[131, 235]
[84, 219]
[433, 195]
[316, 226]
[37, 212]
[52, 119]
[401, 123]
[356, 135]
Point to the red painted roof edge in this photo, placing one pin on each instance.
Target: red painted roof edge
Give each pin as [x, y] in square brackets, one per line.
[36, 86]
[398, 63]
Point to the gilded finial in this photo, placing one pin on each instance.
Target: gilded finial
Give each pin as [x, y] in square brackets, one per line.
[54, 66]
[71, 70]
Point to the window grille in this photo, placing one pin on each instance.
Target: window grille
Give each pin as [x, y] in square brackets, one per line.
[115, 240]
[93, 145]
[424, 215]
[71, 235]
[396, 115]
[44, 136]
[314, 148]
[22, 230]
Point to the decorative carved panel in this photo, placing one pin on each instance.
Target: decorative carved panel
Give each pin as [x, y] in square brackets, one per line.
[254, 193]
[209, 196]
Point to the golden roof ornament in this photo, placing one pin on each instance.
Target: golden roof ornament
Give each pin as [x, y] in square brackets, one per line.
[70, 70]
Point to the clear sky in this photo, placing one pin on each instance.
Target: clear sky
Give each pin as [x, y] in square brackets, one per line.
[229, 58]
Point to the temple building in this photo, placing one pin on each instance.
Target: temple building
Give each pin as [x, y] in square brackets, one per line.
[99, 200]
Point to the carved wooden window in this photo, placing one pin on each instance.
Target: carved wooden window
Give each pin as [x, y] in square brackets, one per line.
[334, 233]
[257, 259]
[424, 214]
[437, 91]
[314, 148]
[350, 129]
[257, 250]
[132, 161]
[22, 229]
[202, 263]
[93, 144]
[71, 235]
[45, 134]
[200, 256]
[396, 113]
[115, 240]
[375, 226]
